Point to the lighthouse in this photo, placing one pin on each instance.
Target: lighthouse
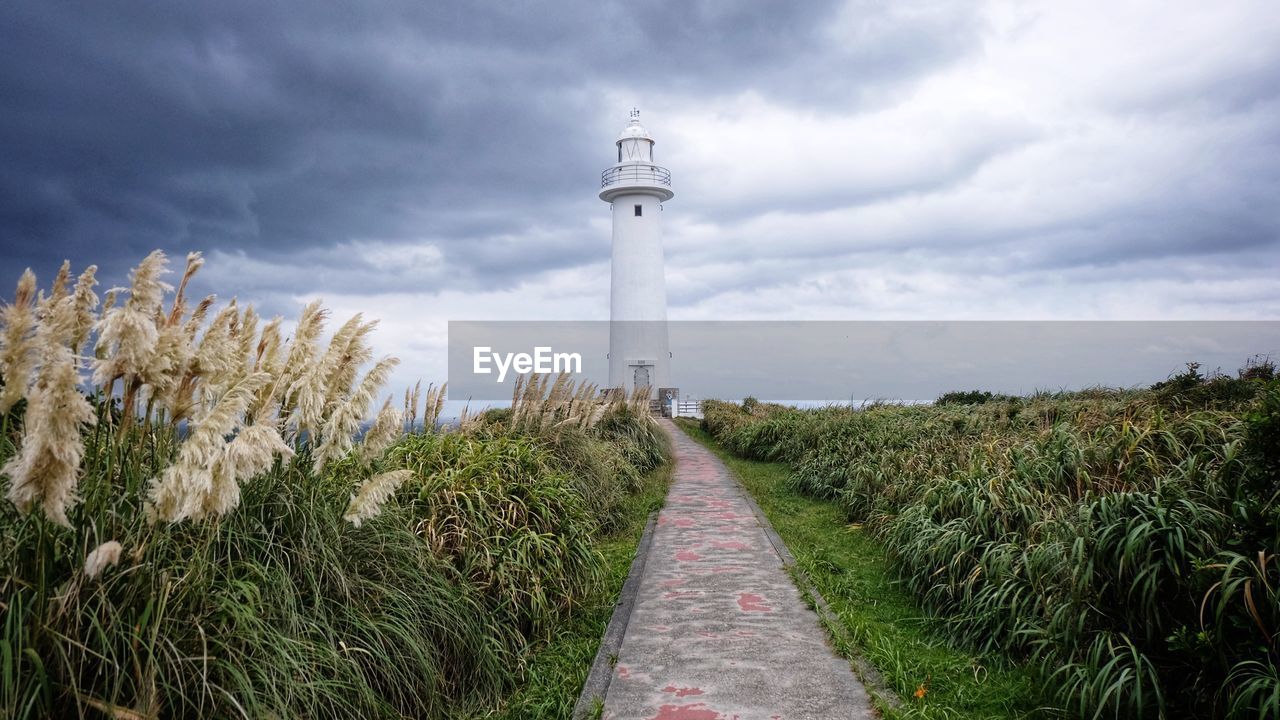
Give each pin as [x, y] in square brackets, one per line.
[635, 189]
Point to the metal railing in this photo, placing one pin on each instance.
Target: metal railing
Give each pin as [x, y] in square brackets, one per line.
[677, 408]
[639, 174]
[688, 408]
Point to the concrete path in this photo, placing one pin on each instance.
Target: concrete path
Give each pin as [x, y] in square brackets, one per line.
[719, 632]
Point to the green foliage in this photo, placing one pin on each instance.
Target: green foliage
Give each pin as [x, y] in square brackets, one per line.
[641, 441]
[969, 397]
[496, 417]
[1259, 367]
[721, 418]
[282, 608]
[1191, 390]
[1264, 437]
[1123, 542]
[507, 519]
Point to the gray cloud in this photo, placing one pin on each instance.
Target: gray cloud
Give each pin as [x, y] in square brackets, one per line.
[824, 152]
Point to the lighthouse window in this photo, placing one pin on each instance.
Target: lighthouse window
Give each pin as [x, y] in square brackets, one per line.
[639, 208]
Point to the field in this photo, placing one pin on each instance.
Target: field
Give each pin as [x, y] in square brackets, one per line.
[206, 528]
[1121, 545]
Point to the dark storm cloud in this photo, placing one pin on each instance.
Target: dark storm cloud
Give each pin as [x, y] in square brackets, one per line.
[273, 127]
[248, 128]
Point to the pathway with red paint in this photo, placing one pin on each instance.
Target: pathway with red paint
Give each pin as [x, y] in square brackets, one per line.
[719, 632]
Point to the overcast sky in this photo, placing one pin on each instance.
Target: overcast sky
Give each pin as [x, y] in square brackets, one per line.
[427, 161]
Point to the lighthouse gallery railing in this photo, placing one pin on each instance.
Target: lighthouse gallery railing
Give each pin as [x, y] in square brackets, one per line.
[641, 174]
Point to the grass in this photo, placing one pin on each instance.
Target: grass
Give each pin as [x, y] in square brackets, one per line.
[283, 608]
[557, 670]
[883, 620]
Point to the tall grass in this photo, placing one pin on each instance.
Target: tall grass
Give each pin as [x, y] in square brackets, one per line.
[1124, 543]
[202, 531]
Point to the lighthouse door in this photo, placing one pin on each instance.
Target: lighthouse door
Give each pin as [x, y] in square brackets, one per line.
[642, 376]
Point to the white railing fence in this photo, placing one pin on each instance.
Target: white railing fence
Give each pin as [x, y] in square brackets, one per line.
[685, 408]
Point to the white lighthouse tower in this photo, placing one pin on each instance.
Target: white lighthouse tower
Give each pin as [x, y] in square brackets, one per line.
[636, 189]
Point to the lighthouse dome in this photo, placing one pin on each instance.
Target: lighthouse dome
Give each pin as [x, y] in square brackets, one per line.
[634, 131]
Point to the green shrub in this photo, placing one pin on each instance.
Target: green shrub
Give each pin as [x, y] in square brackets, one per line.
[496, 417]
[1191, 390]
[1123, 542]
[281, 608]
[507, 519]
[642, 442]
[968, 397]
[719, 417]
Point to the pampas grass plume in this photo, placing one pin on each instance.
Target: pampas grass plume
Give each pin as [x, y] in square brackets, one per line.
[83, 304]
[411, 401]
[386, 429]
[102, 557]
[127, 333]
[343, 423]
[194, 262]
[254, 449]
[268, 358]
[348, 351]
[200, 481]
[373, 493]
[17, 350]
[302, 347]
[251, 453]
[434, 405]
[59, 289]
[46, 467]
[300, 362]
[215, 356]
